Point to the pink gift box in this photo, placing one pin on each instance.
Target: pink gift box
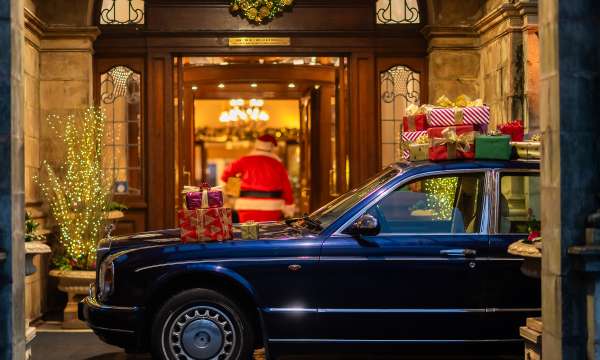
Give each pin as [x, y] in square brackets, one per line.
[470, 115]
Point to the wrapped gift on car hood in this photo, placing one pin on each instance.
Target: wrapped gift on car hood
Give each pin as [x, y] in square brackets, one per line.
[203, 197]
[202, 225]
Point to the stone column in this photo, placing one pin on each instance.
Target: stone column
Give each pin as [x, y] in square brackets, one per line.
[569, 113]
[12, 268]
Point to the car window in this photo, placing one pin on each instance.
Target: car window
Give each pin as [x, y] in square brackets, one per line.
[441, 204]
[519, 203]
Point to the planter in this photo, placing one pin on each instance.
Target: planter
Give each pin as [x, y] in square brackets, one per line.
[76, 284]
[33, 248]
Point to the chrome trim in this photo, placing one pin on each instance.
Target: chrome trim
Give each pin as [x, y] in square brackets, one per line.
[210, 261]
[416, 258]
[385, 341]
[111, 329]
[290, 310]
[338, 232]
[93, 303]
[398, 311]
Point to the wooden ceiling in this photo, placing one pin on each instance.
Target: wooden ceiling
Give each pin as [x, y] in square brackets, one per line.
[272, 80]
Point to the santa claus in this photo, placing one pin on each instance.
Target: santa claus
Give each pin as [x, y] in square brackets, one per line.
[266, 192]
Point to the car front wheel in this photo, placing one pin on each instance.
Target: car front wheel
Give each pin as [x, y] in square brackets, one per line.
[201, 324]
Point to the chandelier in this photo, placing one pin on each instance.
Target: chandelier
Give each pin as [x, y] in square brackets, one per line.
[240, 112]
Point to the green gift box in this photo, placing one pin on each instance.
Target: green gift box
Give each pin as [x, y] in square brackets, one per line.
[418, 152]
[250, 230]
[495, 147]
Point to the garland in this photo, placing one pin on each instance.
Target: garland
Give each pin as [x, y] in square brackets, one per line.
[259, 11]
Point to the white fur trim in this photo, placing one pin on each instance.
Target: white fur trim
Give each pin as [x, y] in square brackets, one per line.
[288, 210]
[258, 204]
[257, 152]
[263, 145]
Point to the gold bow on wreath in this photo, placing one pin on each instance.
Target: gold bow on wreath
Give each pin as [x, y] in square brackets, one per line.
[454, 142]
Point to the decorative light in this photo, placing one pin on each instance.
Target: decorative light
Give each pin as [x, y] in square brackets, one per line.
[194, 87]
[238, 111]
[221, 86]
[291, 85]
[254, 85]
[78, 191]
[440, 196]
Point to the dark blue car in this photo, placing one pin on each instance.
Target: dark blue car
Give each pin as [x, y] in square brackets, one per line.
[414, 260]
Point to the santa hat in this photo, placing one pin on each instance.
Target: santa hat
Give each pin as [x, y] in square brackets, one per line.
[265, 142]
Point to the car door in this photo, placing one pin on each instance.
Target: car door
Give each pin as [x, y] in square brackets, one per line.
[421, 278]
[511, 296]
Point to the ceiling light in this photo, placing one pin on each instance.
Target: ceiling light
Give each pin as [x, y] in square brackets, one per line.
[291, 85]
[221, 86]
[194, 87]
[254, 85]
[317, 87]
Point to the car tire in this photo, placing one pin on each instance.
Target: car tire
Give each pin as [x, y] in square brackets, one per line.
[201, 324]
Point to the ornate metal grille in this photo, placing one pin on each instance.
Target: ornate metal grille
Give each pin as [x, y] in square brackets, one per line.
[400, 87]
[398, 12]
[120, 94]
[122, 12]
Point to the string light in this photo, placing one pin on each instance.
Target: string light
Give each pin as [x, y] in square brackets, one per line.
[78, 191]
[440, 196]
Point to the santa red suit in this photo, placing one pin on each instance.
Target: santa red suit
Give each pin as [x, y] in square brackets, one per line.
[266, 192]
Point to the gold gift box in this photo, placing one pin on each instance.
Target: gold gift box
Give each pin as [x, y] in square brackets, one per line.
[250, 230]
[528, 149]
[418, 152]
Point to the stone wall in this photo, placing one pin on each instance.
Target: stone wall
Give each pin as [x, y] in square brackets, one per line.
[486, 49]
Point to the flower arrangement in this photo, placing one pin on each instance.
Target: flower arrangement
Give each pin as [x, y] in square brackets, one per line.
[78, 192]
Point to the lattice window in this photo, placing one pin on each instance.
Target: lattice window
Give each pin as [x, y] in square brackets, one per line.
[120, 94]
[122, 12]
[400, 87]
[397, 12]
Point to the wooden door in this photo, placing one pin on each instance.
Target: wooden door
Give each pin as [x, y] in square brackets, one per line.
[306, 114]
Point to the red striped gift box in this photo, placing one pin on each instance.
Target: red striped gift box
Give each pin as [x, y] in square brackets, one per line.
[409, 137]
[470, 115]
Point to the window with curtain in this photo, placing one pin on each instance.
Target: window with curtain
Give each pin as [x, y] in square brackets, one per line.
[397, 12]
[122, 12]
[400, 87]
[120, 91]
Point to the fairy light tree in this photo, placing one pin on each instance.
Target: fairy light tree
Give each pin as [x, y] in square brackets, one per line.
[78, 190]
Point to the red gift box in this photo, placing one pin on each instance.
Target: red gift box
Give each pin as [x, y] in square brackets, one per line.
[452, 142]
[414, 122]
[201, 225]
[514, 129]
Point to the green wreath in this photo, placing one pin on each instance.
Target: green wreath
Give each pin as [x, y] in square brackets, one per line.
[259, 11]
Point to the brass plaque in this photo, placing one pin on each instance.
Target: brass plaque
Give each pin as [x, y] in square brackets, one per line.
[259, 41]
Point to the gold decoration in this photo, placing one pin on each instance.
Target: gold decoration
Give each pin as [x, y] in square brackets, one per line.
[259, 11]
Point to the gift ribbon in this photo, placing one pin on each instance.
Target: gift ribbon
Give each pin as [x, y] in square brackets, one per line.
[454, 142]
[458, 115]
[411, 122]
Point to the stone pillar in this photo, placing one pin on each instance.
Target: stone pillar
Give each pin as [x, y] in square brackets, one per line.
[569, 113]
[12, 268]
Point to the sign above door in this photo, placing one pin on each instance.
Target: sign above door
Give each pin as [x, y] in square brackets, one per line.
[259, 11]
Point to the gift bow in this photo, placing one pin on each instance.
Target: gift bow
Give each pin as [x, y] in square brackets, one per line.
[453, 141]
[205, 189]
[459, 102]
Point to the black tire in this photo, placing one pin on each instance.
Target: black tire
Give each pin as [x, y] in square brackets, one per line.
[171, 330]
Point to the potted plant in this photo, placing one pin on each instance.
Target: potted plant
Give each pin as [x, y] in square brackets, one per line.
[34, 243]
[78, 194]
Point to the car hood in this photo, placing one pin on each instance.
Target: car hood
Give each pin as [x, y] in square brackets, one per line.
[268, 231]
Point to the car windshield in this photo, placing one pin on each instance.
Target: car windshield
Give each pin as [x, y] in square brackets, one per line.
[326, 215]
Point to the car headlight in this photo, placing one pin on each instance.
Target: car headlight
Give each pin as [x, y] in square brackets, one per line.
[106, 279]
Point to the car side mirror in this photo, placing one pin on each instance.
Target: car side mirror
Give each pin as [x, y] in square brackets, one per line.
[366, 225]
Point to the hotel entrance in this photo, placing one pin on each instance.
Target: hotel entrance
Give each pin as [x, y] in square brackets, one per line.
[225, 103]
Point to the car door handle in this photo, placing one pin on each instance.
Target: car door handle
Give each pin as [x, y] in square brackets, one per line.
[459, 252]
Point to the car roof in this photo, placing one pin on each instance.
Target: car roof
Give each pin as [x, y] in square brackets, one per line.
[427, 166]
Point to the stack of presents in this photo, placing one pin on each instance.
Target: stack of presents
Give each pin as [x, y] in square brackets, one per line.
[204, 217]
[459, 130]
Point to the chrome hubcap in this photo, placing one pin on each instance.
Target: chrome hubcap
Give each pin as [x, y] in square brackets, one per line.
[201, 333]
